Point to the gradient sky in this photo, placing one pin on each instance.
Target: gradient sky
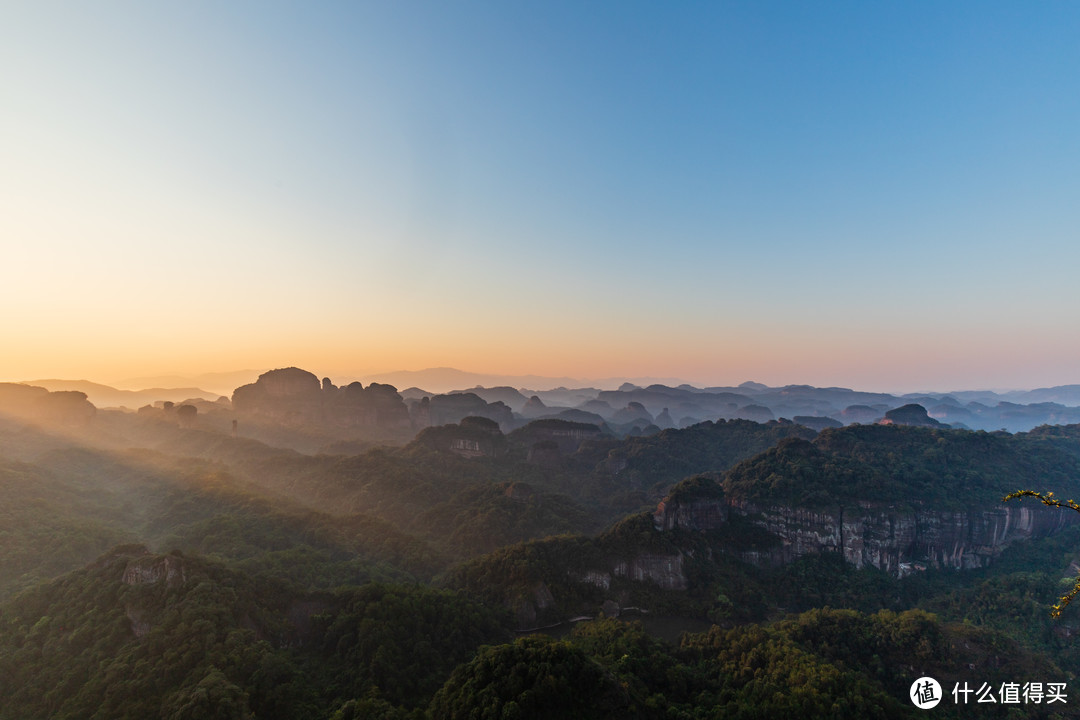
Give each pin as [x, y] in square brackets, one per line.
[878, 195]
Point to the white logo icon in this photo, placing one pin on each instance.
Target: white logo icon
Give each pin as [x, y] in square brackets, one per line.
[925, 693]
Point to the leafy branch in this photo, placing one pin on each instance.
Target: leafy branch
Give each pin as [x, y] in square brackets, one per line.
[1050, 501]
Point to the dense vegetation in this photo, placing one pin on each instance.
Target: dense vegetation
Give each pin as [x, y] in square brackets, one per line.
[138, 635]
[390, 583]
[944, 469]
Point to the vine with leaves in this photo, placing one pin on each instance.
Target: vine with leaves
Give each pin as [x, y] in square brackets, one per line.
[1049, 500]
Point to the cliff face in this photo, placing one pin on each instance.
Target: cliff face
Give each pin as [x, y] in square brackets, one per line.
[473, 437]
[148, 569]
[565, 434]
[697, 515]
[154, 568]
[450, 409]
[888, 538]
[63, 407]
[662, 570]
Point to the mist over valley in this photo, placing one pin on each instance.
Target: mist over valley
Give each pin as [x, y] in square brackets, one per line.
[530, 361]
[312, 529]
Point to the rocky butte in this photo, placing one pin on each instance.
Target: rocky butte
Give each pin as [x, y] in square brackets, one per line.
[900, 498]
[896, 540]
[295, 396]
[887, 496]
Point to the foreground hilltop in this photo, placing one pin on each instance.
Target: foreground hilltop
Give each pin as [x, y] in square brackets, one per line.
[138, 634]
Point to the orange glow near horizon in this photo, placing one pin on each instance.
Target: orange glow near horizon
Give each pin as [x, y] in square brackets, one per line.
[104, 352]
[368, 203]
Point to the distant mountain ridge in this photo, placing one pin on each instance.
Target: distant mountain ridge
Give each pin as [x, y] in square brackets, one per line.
[647, 403]
[221, 383]
[444, 380]
[277, 565]
[105, 396]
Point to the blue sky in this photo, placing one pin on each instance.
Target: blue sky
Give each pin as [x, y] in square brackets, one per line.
[879, 195]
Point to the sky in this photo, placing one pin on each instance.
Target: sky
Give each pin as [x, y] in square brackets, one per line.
[874, 195]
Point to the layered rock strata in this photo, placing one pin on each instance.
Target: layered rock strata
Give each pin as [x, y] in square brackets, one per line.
[892, 539]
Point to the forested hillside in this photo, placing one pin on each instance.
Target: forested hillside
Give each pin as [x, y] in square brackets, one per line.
[152, 568]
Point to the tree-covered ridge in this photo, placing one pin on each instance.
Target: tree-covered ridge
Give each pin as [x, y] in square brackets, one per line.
[841, 663]
[531, 678]
[668, 456]
[296, 516]
[48, 526]
[630, 565]
[820, 664]
[143, 478]
[284, 563]
[75, 503]
[101, 643]
[698, 487]
[138, 635]
[929, 467]
[692, 566]
[427, 490]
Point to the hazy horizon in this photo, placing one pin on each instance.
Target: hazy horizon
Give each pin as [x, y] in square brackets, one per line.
[839, 194]
[443, 379]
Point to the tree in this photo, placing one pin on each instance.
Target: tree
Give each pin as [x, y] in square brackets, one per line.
[1050, 501]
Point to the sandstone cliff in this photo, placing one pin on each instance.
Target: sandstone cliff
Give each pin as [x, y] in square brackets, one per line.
[296, 397]
[896, 539]
[63, 407]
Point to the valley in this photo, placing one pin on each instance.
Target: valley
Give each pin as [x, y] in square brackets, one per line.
[305, 574]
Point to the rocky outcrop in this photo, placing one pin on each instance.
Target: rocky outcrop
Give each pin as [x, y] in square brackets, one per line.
[610, 580]
[508, 396]
[140, 623]
[599, 407]
[63, 407]
[296, 397]
[285, 394]
[472, 437]
[696, 504]
[661, 569]
[450, 409]
[697, 514]
[534, 408]
[567, 435]
[860, 414]
[684, 400]
[634, 412]
[186, 415]
[757, 413]
[665, 571]
[596, 578]
[531, 606]
[288, 383]
[664, 420]
[873, 535]
[817, 423]
[420, 413]
[911, 414]
[376, 405]
[150, 569]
